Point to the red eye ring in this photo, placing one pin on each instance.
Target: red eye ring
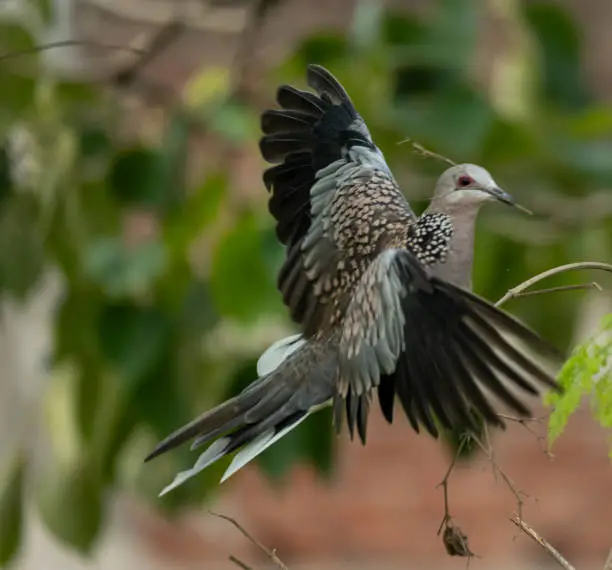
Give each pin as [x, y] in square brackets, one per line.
[464, 181]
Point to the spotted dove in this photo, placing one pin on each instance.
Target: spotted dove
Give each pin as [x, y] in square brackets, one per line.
[381, 295]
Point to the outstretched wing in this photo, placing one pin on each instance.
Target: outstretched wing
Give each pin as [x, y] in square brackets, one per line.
[443, 350]
[324, 148]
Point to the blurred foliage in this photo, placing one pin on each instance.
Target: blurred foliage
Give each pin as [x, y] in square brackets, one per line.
[149, 331]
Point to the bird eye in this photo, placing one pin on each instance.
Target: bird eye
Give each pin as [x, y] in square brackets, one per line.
[464, 181]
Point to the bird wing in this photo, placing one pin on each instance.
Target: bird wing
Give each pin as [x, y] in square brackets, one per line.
[443, 350]
[323, 147]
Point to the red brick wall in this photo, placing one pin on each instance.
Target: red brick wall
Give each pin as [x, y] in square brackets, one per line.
[382, 507]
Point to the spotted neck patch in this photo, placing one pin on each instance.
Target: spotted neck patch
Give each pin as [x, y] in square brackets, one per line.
[429, 238]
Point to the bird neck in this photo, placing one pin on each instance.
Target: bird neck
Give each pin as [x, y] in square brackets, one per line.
[458, 263]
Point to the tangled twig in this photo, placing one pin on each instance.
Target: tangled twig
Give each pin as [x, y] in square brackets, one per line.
[271, 554]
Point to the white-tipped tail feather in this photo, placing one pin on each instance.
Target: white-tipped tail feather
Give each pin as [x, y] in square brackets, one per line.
[269, 361]
[257, 446]
[277, 353]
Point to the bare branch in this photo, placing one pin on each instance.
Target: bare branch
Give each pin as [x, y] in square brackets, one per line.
[444, 484]
[526, 423]
[243, 67]
[523, 526]
[69, 43]
[165, 36]
[522, 287]
[560, 288]
[608, 564]
[271, 554]
[518, 494]
[239, 562]
[426, 153]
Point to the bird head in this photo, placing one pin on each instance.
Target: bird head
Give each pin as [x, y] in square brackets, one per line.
[469, 185]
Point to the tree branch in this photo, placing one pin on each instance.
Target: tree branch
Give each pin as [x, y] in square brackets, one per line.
[239, 562]
[271, 554]
[518, 494]
[608, 564]
[69, 43]
[554, 553]
[519, 290]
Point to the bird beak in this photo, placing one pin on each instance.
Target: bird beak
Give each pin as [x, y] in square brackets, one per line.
[505, 198]
[501, 195]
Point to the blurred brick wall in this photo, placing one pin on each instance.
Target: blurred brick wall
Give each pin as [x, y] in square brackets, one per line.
[382, 507]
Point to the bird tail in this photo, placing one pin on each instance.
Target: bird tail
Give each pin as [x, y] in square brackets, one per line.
[296, 379]
[309, 132]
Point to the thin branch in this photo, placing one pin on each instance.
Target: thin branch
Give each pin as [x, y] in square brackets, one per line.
[243, 68]
[426, 153]
[239, 562]
[454, 539]
[560, 288]
[519, 290]
[69, 43]
[608, 564]
[554, 553]
[271, 554]
[518, 494]
[444, 484]
[165, 36]
[526, 423]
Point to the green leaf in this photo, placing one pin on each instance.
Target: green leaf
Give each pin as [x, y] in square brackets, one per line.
[153, 177]
[234, 121]
[132, 338]
[197, 212]
[16, 96]
[560, 49]
[171, 167]
[587, 372]
[22, 253]
[451, 39]
[6, 181]
[134, 177]
[400, 29]
[323, 48]
[11, 509]
[589, 158]
[70, 504]
[121, 271]
[456, 118]
[15, 38]
[240, 285]
[367, 24]
[44, 8]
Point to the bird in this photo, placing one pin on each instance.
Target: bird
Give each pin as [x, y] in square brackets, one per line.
[381, 297]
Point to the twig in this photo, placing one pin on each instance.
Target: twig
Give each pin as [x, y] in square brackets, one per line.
[243, 68]
[560, 288]
[608, 564]
[444, 484]
[523, 526]
[518, 494]
[239, 562]
[454, 539]
[525, 422]
[161, 40]
[519, 290]
[271, 554]
[69, 43]
[426, 153]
